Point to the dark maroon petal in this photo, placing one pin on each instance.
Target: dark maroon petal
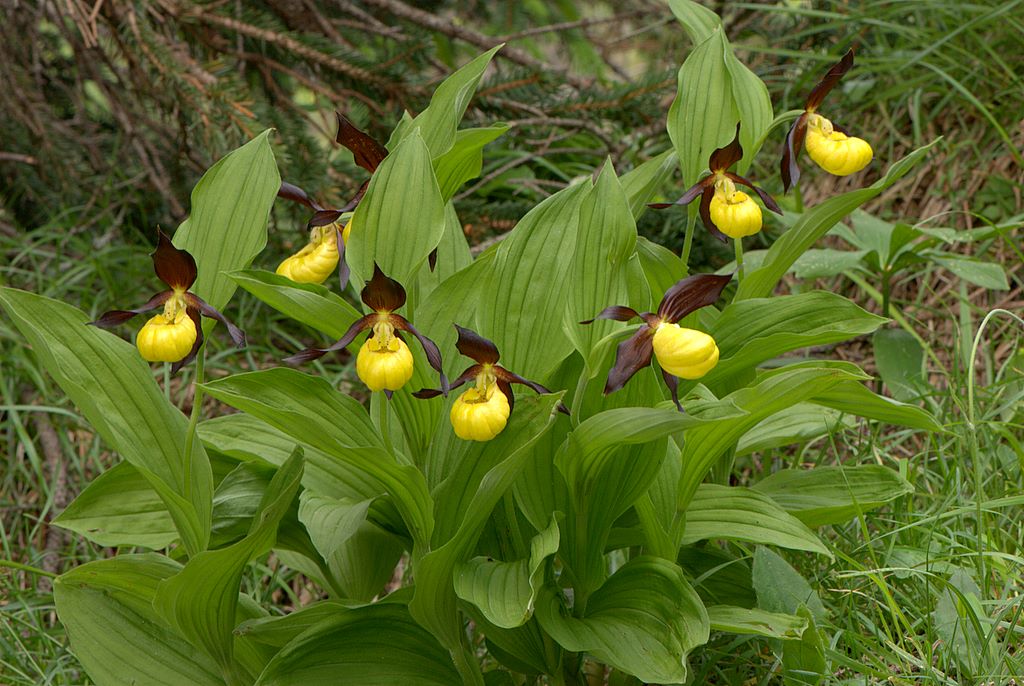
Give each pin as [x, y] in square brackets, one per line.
[237, 335]
[673, 388]
[112, 318]
[790, 168]
[381, 293]
[476, 347]
[506, 388]
[310, 354]
[632, 355]
[194, 314]
[343, 270]
[432, 259]
[835, 73]
[324, 217]
[619, 313]
[470, 373]
[690, 294]
[367, 152]
[841, 129]
[429, 347]
[176, 268]
[290, 191]
[351, 204]
[511, 378]
[723, 158]
[705, 215]
[686, 198]
[766, 198]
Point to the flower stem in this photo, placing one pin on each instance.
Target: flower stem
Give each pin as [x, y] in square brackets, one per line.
[688, 240]
[26, 568]
[738, 245]
[167, 381]
[193, 422]
[798, 198]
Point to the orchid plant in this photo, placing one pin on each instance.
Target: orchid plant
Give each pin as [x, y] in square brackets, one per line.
[538, 544]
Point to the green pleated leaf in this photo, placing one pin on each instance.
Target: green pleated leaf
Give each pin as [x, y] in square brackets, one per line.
[900, 361]
[985, 274]
[375, 645]
[227, 226]
[742, 514]
[857, 399]
[453, 255]
[644, 620]
[505, 592]
[307, 409]
[603, 261]
[755, 622]
[608, 462]
[804, 662]
[401, 218]
[703, 114]
[114, 389]
[699, 21]
[200, 601]
[753, 105]
[120, 508]
[525, 286]
[780, 588]
[773, 392]
[237, 500]
[800, 423]
[437, 124]
[465, 159]
[662, 267]
[815, 223]
[832, 495]
[644, 181]
[106, 607]
[464, 503]
[308, 303]
[750, 332]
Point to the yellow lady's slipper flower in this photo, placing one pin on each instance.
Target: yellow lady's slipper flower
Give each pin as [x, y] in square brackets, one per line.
[830, 146]
[317, 259]
[482, 412]
[177, 334]
[725, 211]
[384, 362]
[326, 247]
[683, 353]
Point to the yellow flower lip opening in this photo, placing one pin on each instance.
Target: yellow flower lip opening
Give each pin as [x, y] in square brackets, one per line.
[315, 262]
[833, 150]
[734, 212]
[480, 415]
[682, 352]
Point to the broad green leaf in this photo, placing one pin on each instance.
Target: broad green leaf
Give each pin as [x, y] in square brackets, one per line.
[699, 21]
[505, 592]
[750, 332]
[120, 508]
[237, 500]
[465, 159]
[803, 661]
[780, 588]
[755, 622]
[742, 514]
[401, 218]
[375, 645]
[773, 392]
[721, 576]
[703, 114]
[598, 275]
[832, 495]
[643, 182]
[227, 226]
[608, 462]
[853, 397]
[662, 267]
[307, 409]
[453, 255]
[900, 361]
[308, 303]
[113, 387]
[985, 274]
[434, 602]
[644, 620]
[107, 608]
[800, 423]
[437, 124]
[200, 601]
[523, 295]
[753, 105]
[822, 262]
[814, 223]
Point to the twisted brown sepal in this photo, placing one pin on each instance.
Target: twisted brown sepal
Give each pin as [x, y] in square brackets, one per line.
[474, 346]
[789, 168]
[726, 156]
[705, 214]
[429, 347]
[382, 293]
[835, 73]
[367, 152]
[691, 294]
[197, 303]
[672, 383]
[198, 323]
[109, 320]
[290, 191]
[176, 268]
[311, 354]
[632, 355]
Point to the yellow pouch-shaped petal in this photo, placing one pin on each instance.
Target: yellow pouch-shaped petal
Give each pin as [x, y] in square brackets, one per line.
[166, 338]
[737, 216]
[386, 367]
[836, 152]
[478, 418]
[686, 353]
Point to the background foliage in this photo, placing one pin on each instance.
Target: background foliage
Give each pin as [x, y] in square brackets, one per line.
[113, 110]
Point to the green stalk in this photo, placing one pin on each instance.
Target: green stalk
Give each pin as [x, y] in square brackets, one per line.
[11, 564]
[167, 381]
[193, 422]
[798, 198]
[384, 422]
[688, 240]
[738, 246]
